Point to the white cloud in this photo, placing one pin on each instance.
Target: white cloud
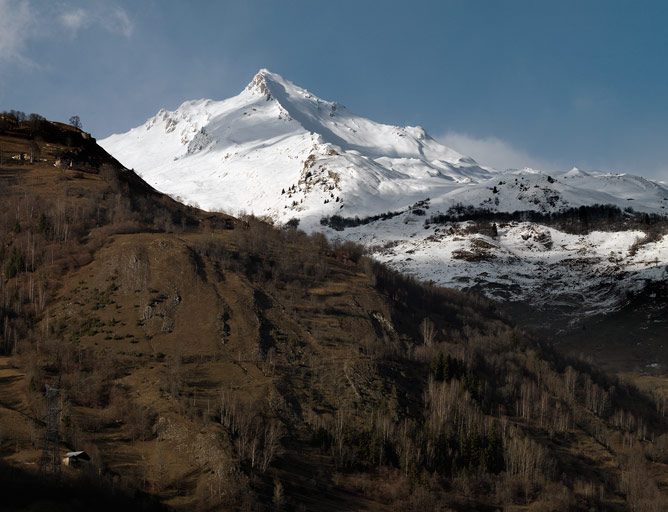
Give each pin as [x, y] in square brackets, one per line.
[499, 154]
[111, 18]
[22, 21]
[17, 25]
[121, 23]
[493, 152]
[74, 20]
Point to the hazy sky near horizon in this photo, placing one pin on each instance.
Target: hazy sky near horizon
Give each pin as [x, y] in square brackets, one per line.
[517, 83]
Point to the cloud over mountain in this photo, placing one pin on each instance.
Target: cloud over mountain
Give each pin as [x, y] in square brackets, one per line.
[494, 152]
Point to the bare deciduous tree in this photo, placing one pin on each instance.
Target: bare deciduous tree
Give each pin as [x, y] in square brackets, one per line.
[75, 121]
[278, 498]
[428, 331]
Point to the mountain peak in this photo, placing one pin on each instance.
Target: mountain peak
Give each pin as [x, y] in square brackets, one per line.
[259, 84]
[263, 82]
[575, 172]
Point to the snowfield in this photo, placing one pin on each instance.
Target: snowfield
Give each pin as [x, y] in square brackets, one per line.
[277, 150]
[525, 262]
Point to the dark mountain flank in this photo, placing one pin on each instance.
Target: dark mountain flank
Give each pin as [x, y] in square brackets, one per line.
[205, 362]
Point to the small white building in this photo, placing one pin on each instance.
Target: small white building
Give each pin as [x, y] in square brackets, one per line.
[76, 459]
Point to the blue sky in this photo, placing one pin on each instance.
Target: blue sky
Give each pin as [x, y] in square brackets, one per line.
[548, 84]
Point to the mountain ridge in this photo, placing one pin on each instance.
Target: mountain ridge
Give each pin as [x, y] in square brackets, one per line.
[401, 164]
[303, 130]
[277, 150]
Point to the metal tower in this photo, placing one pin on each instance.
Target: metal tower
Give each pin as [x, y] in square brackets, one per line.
[50, 461]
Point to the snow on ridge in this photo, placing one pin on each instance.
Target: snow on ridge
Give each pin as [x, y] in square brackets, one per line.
[277, 149]
[581, 274]
[289, 153]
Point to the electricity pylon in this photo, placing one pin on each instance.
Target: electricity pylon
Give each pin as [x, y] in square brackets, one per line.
[50, 461]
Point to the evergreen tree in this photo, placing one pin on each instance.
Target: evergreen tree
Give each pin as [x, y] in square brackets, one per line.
[15, 264]
[438, 367]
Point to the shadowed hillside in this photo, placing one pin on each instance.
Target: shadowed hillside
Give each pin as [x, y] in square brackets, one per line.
[223, 364]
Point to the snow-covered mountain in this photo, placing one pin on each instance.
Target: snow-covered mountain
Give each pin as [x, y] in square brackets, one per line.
[277, 150]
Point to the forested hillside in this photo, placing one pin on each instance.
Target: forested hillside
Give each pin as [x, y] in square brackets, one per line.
[214, 363]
